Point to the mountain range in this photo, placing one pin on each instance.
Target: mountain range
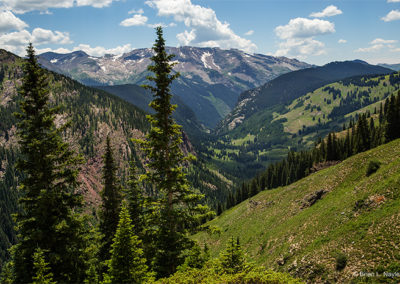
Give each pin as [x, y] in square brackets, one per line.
[211, 78]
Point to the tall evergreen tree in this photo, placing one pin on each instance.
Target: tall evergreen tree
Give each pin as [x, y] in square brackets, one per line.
[49, 197]
[135, 200]
[179, 211]
[111, 201]
[127, 264]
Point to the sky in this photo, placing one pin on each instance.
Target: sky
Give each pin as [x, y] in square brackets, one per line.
[314, 31]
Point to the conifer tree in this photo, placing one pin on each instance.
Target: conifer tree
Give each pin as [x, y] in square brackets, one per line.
[41, 267]
[111, 197]
[127, 264]
[232, 260]
[178, 206]
[135, 200]
[49, 197]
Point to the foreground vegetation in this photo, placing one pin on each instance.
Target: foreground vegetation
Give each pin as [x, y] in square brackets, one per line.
[333, 225]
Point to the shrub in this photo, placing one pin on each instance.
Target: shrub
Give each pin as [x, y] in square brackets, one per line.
[373, 166]
[341, 261]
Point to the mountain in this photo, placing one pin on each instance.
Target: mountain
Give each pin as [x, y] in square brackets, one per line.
[141, 98]
[395, 67]
[211, 81]
[330, 227]
[94, 114]
[292, 85]
[266, 136]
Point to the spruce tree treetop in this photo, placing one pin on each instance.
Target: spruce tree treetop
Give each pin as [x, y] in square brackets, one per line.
[179, 211]
[127, 264]
[111, 201]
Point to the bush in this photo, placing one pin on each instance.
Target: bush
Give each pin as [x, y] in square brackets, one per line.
[341, 261]
[373, 166]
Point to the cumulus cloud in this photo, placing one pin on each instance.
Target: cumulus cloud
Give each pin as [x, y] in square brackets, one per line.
[298, 36]
[135, 20]
[393, 1]
[93, 51]
[10, 22]
[392, 16]
[140, 11]
[41, 36]
[249, 33]
[23, 6]
[329, 11]
[383, 41]
[205, 28]
[300, 48]
[304, 28]
[100, 51]
[17, 41]
[342, 41]
[378, 44]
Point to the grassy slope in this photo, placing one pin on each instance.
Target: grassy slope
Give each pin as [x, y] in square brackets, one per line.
[299, 116]
[267, 135]
[273, 227]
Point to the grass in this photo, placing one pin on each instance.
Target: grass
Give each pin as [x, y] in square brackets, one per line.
[298, 115]
[309, 240]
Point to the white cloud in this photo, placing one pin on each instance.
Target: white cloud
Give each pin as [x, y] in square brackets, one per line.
[23, 6]
[393, 1]
[372, 48]
[304, 28]
[249, 33]
[161, 25]
[298, 36]
[327, 12]
[383, 41]
[378, 44]
[100, 51]
[41, 36]
[206, 29]
[135, 20]
[93, 51]
[9, 22]
[94, 3]
[140, 11]
[392, 16]
[300, 48]
[342, 41]
[17, 41]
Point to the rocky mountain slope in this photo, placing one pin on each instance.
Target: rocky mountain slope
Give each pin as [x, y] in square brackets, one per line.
[330, 227]
[141, 98]
[211, 80]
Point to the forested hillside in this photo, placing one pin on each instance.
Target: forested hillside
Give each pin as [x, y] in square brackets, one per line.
[94, 115]
[268, 135]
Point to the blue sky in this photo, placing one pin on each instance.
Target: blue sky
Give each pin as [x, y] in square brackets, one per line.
[315, 31]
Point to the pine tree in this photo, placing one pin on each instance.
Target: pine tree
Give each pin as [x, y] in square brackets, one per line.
[111, 201]
[42, 276]
[135, 200]
[232, 260]
[178, 211]
[127, 264]
[49, 197]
